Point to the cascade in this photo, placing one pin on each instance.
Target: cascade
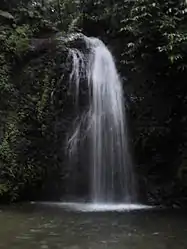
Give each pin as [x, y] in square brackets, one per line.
[102, 125]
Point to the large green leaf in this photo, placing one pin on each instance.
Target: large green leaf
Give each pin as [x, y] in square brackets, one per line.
[6, 14]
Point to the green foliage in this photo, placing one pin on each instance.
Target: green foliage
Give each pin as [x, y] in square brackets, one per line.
[18, 40]
[27, 128]
[156, 27]
[6, 14]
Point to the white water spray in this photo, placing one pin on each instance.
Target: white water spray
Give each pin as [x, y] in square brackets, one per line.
[105, 124]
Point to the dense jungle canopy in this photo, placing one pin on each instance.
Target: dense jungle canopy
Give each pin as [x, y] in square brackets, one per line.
[148, 39]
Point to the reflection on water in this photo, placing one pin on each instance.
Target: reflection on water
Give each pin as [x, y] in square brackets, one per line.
[35, 226]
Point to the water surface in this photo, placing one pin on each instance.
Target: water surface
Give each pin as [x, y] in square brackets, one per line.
[38, 226]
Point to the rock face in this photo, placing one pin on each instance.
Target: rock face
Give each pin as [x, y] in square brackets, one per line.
[36, 135]
[49, 70]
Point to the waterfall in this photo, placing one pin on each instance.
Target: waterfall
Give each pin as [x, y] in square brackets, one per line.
[104, 125]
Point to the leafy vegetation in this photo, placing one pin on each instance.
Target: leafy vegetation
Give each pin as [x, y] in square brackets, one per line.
[149, 41]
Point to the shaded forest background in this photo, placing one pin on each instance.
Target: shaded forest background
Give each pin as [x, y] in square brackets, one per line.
[149, 41]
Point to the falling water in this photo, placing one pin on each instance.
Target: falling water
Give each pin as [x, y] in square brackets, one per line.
[105, 125]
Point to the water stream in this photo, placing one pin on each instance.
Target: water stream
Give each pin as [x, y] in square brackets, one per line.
[103, 123]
